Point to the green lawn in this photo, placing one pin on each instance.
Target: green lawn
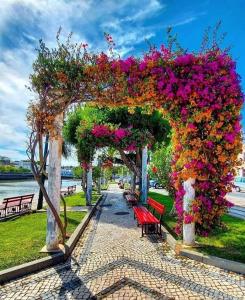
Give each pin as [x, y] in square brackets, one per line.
[228, 242]
[104, 187]
[23, 238]
[78, 199]
[168, 221]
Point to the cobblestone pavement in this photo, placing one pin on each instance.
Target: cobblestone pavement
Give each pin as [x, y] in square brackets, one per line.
[112, 261]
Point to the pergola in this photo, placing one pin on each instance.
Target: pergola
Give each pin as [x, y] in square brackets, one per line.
[199, 93]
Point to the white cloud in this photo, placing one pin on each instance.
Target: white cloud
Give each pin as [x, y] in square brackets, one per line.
[23, 22]
[183, 22]
[13, 154]
[152, 7]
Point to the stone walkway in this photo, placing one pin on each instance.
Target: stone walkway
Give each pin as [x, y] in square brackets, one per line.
[112, 261]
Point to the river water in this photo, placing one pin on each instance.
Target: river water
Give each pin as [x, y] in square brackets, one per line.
[11, 188]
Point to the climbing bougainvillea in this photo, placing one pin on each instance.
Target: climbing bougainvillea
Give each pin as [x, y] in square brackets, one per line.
[199, 93]
[202, 97]
[127, 139]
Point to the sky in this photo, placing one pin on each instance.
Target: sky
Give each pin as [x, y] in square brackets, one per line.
[131, 23]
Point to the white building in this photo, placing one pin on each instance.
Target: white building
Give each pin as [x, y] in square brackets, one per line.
[23, 164]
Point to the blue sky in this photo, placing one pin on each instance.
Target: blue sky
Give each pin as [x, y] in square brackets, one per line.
[131, 22]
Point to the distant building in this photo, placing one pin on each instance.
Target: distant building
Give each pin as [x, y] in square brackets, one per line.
[4, 161]
[67, 171]
[26, 164]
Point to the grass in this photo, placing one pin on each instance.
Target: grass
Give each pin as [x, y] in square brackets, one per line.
[104, 187]
[227, 242]
[167, 201]
[78, 199]
[22, 238]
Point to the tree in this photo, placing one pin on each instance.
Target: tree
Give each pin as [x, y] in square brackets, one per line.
[160, 167]
[89, 128]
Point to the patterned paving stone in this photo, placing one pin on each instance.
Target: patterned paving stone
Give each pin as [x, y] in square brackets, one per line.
[112, 261]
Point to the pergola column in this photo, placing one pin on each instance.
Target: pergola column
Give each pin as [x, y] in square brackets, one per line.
[188, 229]
[89, 185]
[144, 175]
[54, 183]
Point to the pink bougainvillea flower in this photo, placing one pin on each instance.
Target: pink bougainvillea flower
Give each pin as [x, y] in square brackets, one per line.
[101, 131]
[229, 137]
[200, 165]
[131, 147]
[192, 126]
[120, 134]
[177, 229]
[188, 218]
[209, 144]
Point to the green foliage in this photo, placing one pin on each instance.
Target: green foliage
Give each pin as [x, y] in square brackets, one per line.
[13, 169]
[147, 128]
[86, 146]
[77, 172]
[58, 68]
[76, 131]
[85, 117]
[97, 172]
[153, 122]
[161, 159]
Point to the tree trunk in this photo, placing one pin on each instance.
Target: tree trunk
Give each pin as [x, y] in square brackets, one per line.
[43, 177]
[54, 183]
[139, 165]
[99, 179]
[188, 229]
[84, 181]
[133, 182]
[144, 182]
[131, 166]
[89, 186]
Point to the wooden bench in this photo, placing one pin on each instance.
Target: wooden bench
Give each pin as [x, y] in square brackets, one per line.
[69, 191]
[132, 198]
[149, 223]
[16, 205]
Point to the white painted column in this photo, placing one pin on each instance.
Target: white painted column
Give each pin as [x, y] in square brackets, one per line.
[144, 175]
[188, 229]
[89, 186]
[99, 180]
[54, 183]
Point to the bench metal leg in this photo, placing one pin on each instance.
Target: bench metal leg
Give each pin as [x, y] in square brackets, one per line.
[142, 226]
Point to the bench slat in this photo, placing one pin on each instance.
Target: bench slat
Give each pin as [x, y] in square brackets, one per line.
[157, 206]
[144, 216]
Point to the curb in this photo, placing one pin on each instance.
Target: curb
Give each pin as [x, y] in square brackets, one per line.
[222, 263]
[215, 261]
[42, 263]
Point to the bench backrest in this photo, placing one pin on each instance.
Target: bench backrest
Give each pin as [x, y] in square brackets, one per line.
[18, 199]
[72, 188]
[160, 208]
[137, 194]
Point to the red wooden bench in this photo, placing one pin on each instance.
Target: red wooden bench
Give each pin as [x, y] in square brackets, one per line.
[16, 205]
[149, 223]
[70, 190]
[132, 198]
